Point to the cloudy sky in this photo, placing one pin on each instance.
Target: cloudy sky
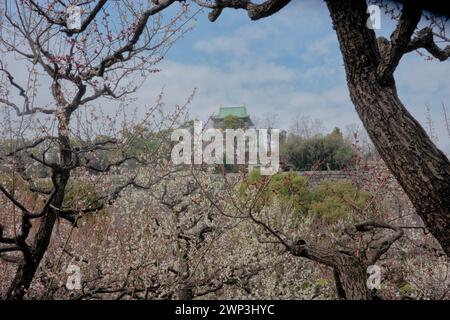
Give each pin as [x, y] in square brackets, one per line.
[287, 65]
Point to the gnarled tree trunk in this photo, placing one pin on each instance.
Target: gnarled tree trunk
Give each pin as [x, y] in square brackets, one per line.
[349, 271]
[34, 253]
[27, 268]
[350, 278]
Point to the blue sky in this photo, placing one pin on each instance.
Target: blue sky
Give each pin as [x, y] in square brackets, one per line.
[285, 66]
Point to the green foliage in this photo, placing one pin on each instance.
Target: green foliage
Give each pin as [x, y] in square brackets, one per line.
[288, 187]
[330, 201]
[141, 141]
[76, 143]
[406, 289]
[330, 151]
[80, 192]
[334, 200]
[233, 122]
[19, 185]
[321, 283]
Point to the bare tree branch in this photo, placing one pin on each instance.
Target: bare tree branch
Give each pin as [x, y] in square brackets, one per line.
[255, 11]
[424, 40]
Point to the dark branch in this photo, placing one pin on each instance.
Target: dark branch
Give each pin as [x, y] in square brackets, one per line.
[424, 40]
[255, 11]
[382, 245]
[390, 57]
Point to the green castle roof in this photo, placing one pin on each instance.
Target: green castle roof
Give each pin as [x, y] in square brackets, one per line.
[240, 112]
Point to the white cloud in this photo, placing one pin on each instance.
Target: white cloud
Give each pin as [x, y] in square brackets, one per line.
[223, 45]
[323, 47]
[263, 87]
[238, 43]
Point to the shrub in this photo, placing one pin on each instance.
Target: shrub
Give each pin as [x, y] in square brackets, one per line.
[233, 122]
[330, 201]
[336, 200]
[288, 187]
[330, 151]
[79, 193]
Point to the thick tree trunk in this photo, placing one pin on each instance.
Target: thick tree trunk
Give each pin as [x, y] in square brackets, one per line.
[351, 278]
[27, 269]
[349, 271]
[184, 290]
[60, 177]
[418, 165]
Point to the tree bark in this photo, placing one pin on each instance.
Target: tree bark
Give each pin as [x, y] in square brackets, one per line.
[27, 269]
[60, 177]
[350, 278]
[349, 271]
[418, 165]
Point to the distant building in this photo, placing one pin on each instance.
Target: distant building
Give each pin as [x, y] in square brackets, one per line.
[238, 112]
